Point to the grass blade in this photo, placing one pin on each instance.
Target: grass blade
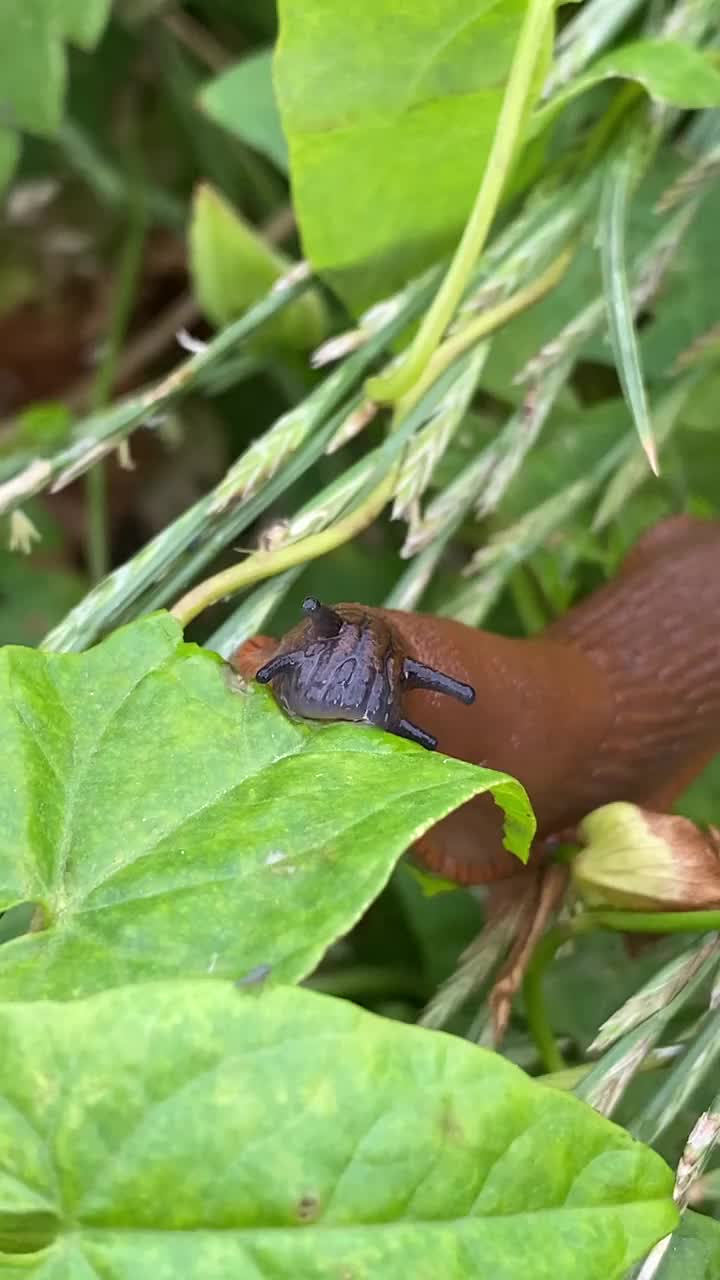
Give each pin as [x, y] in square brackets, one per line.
[632, 474]
[617, 188]
[700, 1059]
[606, 1083]
[655, 994]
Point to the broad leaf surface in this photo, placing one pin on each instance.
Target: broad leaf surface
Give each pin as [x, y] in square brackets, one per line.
[32, 65]
[233, 267]
[83, 21]
[188, 1129]
[389, 112]
[32, 56]
[669, 70]
[242, 99]
[167, 825]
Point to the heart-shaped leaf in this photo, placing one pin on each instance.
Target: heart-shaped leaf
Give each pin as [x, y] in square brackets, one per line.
[188, 1129]
[389, 112]
[669, 70]
[242, 99]
[32, 64]
[166, 825]
[233, 267]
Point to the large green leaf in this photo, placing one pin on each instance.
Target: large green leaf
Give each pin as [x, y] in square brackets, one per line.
[32, 57]
[32, 64]
[233, 267]
[83, 21]
[669, 70]
[188, 1129]
[242, 99]
[389, 112]
[168, 825]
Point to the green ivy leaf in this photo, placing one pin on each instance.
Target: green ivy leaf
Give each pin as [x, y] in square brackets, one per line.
[83, 21]
[32, 57]
[233, 267]
[389, 112]
[242, 99]
[191, 1129]
[32, 64]
[168, 825]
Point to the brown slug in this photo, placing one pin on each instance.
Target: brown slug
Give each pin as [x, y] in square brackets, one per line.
[617, 700]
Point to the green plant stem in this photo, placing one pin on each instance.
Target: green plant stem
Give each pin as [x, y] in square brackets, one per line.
[474, 330]
[124, 294]
[265, 564]
[535, 1007]
[392, 385]
[623, 921]
[655, 921]
[97, 550]
[269, 465]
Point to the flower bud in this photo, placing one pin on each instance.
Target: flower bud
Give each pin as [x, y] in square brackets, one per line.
[639, 860]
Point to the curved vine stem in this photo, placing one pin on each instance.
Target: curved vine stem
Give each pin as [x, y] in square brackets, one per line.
[656, 921]
[535, 1007]
[619, 921]
[474, 330]
[390, 386]
[265, 564]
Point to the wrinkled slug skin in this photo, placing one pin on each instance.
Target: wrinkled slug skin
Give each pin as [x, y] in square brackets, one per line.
[618, 700]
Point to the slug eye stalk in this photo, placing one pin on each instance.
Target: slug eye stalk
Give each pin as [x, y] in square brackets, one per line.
[326, 622]
[277, 666]
[415, 675]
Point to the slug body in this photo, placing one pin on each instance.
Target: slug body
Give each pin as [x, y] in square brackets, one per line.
[617, 700]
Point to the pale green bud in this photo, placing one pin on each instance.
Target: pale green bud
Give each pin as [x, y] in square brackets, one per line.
[646, 861]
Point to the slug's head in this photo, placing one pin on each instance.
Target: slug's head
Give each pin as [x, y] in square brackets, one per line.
[345, 663]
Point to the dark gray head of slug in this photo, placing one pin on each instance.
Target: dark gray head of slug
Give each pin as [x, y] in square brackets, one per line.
[345, 663]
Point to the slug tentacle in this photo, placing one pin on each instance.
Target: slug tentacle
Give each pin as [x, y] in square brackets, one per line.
[406, 729]
[277, 666]
[326, 622]
[416, 675]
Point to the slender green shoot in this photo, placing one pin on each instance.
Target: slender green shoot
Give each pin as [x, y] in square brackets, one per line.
[396, 382]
